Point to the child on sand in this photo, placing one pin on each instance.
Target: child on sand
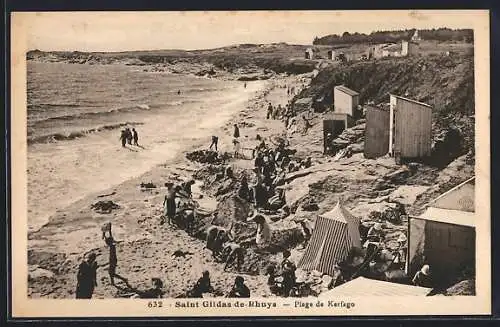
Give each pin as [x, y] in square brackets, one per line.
[239, 290]
[113, 261]
[202, 286]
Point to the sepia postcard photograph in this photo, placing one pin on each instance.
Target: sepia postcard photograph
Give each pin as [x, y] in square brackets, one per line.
[250, 163]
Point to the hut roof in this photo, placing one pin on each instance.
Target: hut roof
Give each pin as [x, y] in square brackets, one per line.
[411, 100]
[346, 90]
[368, 287]
[454, 217]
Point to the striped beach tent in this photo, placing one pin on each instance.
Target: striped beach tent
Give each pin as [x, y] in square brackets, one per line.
[335, 234]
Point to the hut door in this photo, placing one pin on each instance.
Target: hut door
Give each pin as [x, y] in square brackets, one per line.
[335, 128]
[376, 133]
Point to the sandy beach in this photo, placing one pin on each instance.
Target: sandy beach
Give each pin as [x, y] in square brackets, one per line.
[74, 229]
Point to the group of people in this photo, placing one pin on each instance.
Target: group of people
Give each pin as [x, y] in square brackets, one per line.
[270, 168]
[375, 260]
[204, 285]
[279, 112]
[127, 136]
[282, 279]
[87, 273]
[172, 205]
[236, 142]
[224, 249]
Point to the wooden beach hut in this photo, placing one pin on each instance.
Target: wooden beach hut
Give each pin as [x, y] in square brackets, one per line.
[444, 236]
[410, 128]
[345, 100]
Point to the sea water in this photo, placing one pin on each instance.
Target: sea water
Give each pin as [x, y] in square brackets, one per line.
[76, 113]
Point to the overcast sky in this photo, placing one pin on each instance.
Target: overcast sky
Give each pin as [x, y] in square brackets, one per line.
[120, 31]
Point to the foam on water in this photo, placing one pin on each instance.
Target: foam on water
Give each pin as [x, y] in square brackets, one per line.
[85, 144]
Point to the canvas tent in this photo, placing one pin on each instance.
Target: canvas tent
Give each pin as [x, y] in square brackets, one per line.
[369, 287]
[335, 234]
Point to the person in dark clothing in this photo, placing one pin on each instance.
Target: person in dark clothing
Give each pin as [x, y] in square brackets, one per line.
[215, 140]
[233, 253]
[129, 136]
[239, 290]
[423, 277]
[267, 171]
[288, 273]
[135, 136]
[123, 137]
[228, 172]
[113, 260]
[244, 191]
[186, 187]
[236, 133]
[202, 286]
[259, 161]
[307, 125]
[169, 203]
[179, 92]
[271, 273]
[86, 277]
[269, 111]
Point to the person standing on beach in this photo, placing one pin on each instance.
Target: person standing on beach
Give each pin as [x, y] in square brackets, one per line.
[86, 277]
[215, 140]
[236, 133]
[288, 273]
[169, 203]
[129, 136]
[135, 136]
[113, 261]
[269, 110]
[123, 137]
[236, 144]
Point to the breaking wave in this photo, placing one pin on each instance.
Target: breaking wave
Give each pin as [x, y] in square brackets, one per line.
[55, 137]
